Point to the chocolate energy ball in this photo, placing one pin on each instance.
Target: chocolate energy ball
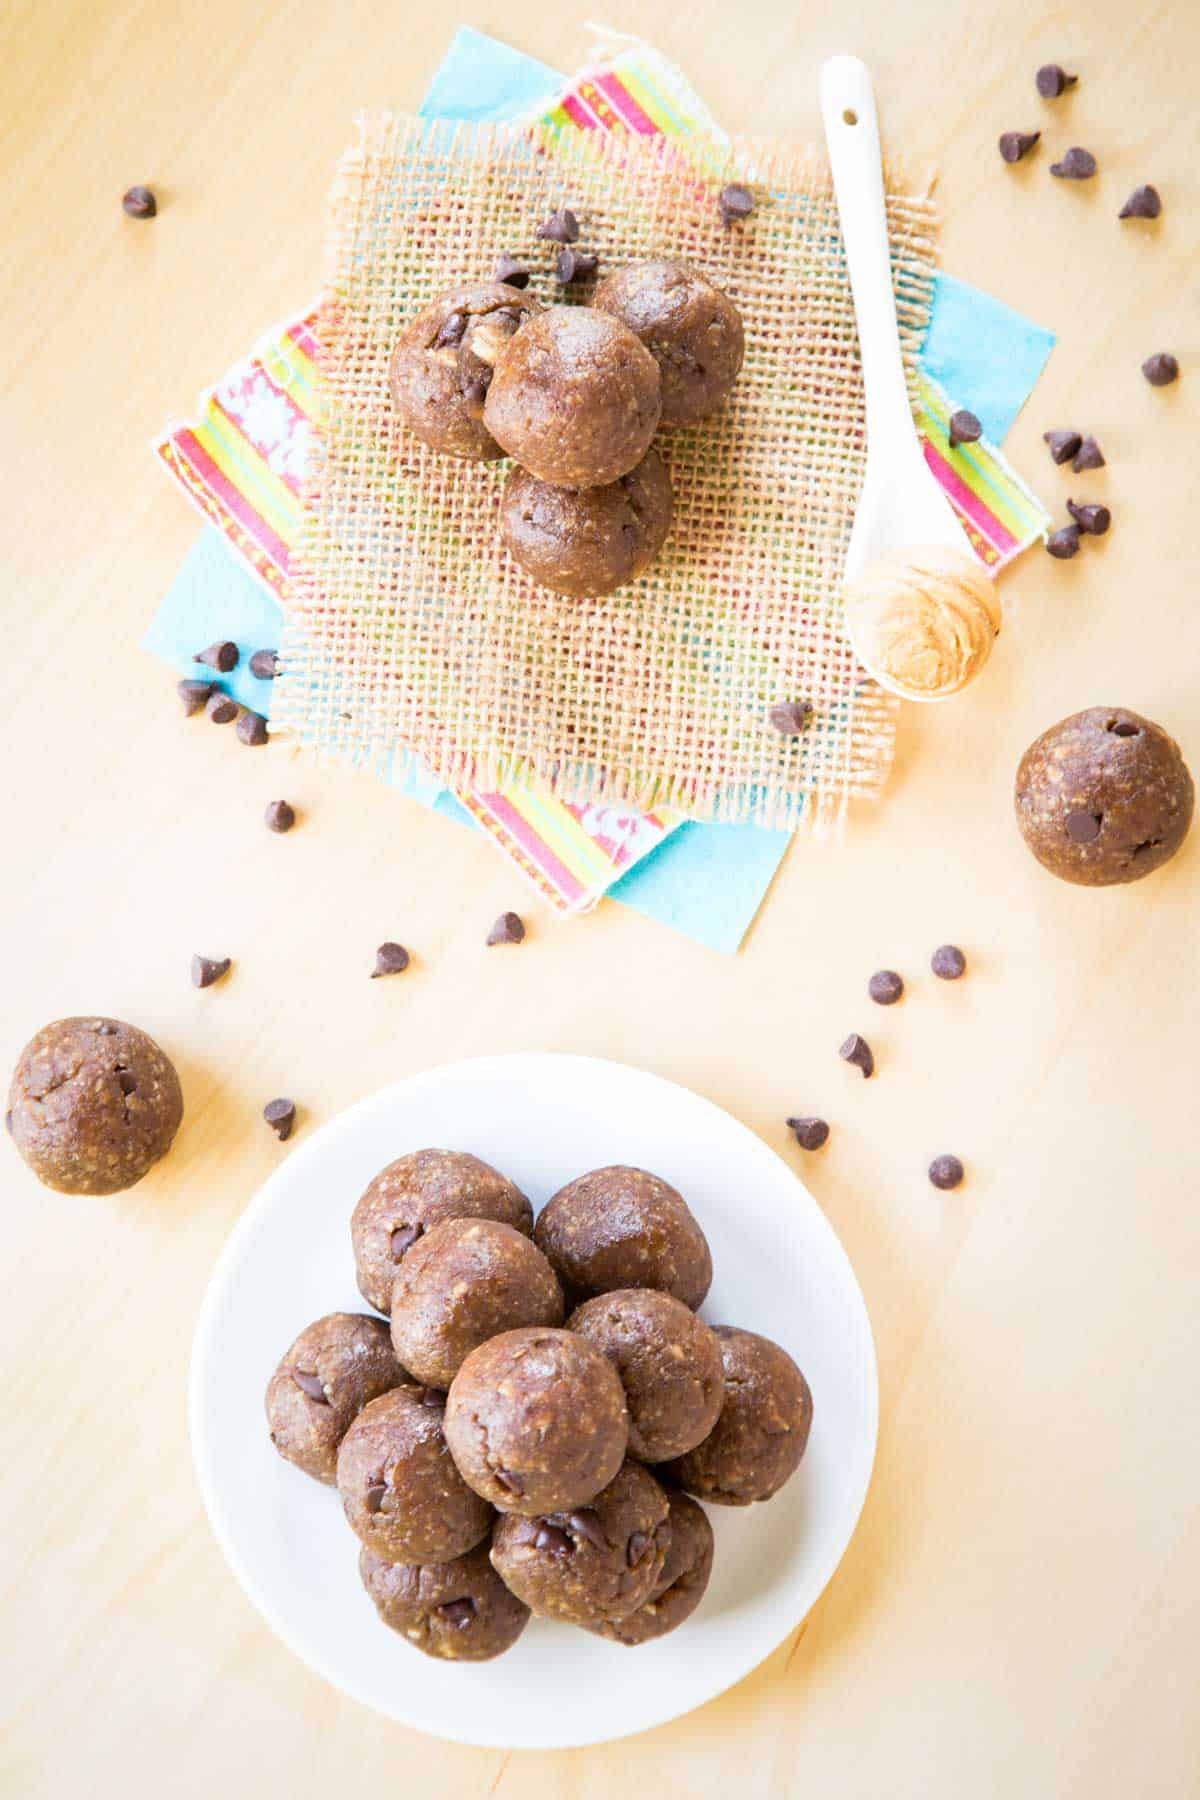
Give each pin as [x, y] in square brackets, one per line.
[670, 1366]
[683, 1581]
[623, 1228]
[401, 1493]
[593, 1563]
[536, 1421]
[691, 329]
[93, 1105]
[589, 541]
[443, 364]
[1103, 796]
[460, 1610]
[461, 1284]
[763, 1429]
[334, 1368]
[412, 1195]
[575, 398]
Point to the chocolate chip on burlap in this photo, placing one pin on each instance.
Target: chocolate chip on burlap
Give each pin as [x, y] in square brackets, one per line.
[574, 265]
[735, 203]
[511, 272]
[790, 717]
[562, 227]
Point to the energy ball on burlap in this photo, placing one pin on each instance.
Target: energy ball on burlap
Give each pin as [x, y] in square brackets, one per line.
[460, 1610]
[592, 1563]
[691, 329]
[683, 1581]
[93, 1105]
[575, 399]
[401, 1493]
[410, 1197]
[622, 1228]
[1104, 796]
[757, 1442]
[334, 1368]
[536, 1421]
[442, 367]
[670, 1366]
[461, 1284]
[582, 542]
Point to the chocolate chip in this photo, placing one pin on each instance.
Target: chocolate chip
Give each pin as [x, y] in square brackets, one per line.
[1076, 165]
[207, 969]
[511, 272]
[139, 202]
[279, 816]
[508, 929]
[1161, 369]
[375, 1496]
[1083, 827]
[311, 1385]
[126, 1082]
[562, 227]
[220, 708]
[810, 1133]
[8, 1121]
[885, 987]
[586, 1523]
[1053, 80]
[1144, 203]
[964, 429]
[948, 962]
[222, 656]
[432, 1398]
[735, 202]
[1063, 444]
[264, 664]
[1088, 456]
[1122, 728]
[945, 1171]
[1063, 543]
[636, 1548]
[458, 1613]
[106, 1030]
[475, 391]
[280, 1116]
[512, 1484]
[252, 728]
[856, 1050]
[450, 331]
[550, 1537]
[404, 1237]
[790, 717]
[1093, 519]
[574, 265]
[194, 694]
[390, 959]
[1016, 144]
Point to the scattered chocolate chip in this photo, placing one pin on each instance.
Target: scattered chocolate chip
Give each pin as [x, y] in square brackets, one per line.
[735, 202]
[586, 1523]
[1016, 144]
[1053, 80]
[856, 1050]
[512, 1484]
[810, 1134]
[1077, 165]
[279, 816]
[1144, 203]
[222, 657]
[458, 1613]
[220, 708]
[280, 1116]
[310, 1385]
[636, 1548]
[207, 969]
[790, 717]
[450, 331]
[574, 265]
[1161, 369]
[964, 429]
[511, 272]
[126, 1082]
[194, 694]
[252, 728]
[404, 1237]
[885, 987]
[948, 962]
[508, 929]
[1063, 444]
[264, 664]
[1083, 827]
[1093, 519]
[375, 1495]
[1088, 456]
[390, 959]
[945, 1171]
[1064, 543]
[139, 202]
[562, 227]
[550, 1537]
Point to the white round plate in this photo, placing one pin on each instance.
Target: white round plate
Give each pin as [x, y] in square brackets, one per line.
[779, 1270]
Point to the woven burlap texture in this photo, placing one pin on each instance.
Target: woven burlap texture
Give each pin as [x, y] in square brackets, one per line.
[659, 694]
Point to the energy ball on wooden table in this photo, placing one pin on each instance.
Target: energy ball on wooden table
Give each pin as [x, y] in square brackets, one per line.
[691, 329]
[762, 1433]
[442, 366]
[415, 1193]
[401, 1493]
[459, 1611]
[462, 1283]
[1104, 796]
[583, 542]
[94, 1104]
[536, 1421]
[682, 1584]
[593, 1563]
[623, 1228]
[335, 1368]
[575, 399]
[670, 1366]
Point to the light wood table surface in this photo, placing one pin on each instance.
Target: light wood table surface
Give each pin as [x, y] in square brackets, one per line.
[1016, 1616]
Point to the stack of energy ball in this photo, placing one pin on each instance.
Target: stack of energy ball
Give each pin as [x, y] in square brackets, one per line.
[574, 394]
[495, 1463]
